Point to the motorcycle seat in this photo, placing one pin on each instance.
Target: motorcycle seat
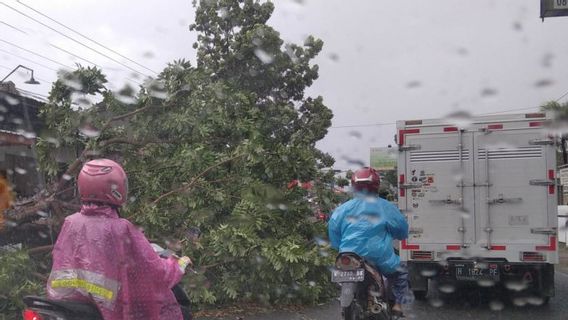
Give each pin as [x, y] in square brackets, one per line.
[82, 309]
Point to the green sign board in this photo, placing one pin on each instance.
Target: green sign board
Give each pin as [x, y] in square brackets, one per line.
[553, 8]
[383, 159]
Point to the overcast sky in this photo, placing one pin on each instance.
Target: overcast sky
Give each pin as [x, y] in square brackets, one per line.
[382, 60]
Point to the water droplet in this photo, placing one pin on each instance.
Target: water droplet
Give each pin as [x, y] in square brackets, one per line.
[42, 214]
[488, 92]
[355, 134]
[520, 302]
[517, 26]
[515, 285]
[462, 119]
[43, 234]
[413, 84]
[17, 121]
[157, 89]
[223, 12]
[485, 283]
[113, 186]
[334, 57]
[428, 272]
[132, 199]
[148, 55]
[67, 177]
[447, 288]
[466, 215]
[312, 283]
[462, 51]
[70, 80]
[320, 241]
[20, 170]
[3, 109]
[436, 302]
[270, 206]
[290, 52]
[89, 130]
[547, 60]
[496, 305]
[535, 301]
[543, 83]
[263, 56]
[126, 95]
[282, 207]
[324, 253]
[1, 118]
[11, 100]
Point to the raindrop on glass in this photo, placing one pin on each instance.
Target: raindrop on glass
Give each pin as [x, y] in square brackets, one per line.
[496, 305]
[436, 302]
[11, 100]
[413, 84]
[543, 83]
[485, 283]
[515, 285]
[428, 272]
[263, 56]
[488, 92]
[89, 130]
[334, 57]
[20, 170]
[462, 119]
[67, 177]
[447, 288]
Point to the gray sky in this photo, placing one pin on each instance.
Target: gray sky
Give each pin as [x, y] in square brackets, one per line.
[382, 60]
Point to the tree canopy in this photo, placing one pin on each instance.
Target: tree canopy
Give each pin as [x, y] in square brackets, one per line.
[211, 146]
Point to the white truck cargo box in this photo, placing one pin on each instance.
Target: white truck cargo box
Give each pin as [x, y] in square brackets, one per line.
[484, 190]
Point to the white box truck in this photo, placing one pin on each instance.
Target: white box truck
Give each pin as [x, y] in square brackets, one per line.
[481, 201]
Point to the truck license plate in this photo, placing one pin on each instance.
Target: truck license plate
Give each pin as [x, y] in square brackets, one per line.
[471, 272]
[356, 275]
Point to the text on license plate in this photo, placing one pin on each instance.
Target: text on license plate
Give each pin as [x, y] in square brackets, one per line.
[470, 272]
[356, 275]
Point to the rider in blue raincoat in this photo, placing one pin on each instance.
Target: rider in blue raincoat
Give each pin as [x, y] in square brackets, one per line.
[367, 225]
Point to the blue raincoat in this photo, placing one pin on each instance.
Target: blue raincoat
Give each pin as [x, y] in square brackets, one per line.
[367, 226]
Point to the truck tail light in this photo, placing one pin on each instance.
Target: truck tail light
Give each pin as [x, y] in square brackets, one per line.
[422, 255]
[532, 256]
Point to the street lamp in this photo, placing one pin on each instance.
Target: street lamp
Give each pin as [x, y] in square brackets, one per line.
[31, 81]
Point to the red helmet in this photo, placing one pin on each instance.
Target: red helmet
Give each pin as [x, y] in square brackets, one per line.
[103, 181]
[366, 179]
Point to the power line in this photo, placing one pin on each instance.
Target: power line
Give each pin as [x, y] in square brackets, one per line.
[29, 60]
[36, 54]
[86, 37]
[72, 39]
[364, 125]
[11, 26]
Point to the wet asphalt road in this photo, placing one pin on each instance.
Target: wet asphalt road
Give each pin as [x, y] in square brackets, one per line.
[458, 307]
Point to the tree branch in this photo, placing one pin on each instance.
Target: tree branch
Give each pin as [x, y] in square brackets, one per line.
[195, 179]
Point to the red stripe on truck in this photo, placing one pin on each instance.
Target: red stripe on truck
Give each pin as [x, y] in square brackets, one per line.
[450, 129]
[453, 247]
[406, 246]
[401, 134]
[535, 124]
[401, 191]
[551, 245]
[551, 176]
[499, 248]
[496, 126]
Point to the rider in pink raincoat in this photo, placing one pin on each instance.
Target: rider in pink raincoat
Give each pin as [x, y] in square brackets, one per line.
[102, 258]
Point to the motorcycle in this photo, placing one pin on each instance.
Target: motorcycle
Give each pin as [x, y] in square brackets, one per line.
[41, 308]
[365, 293]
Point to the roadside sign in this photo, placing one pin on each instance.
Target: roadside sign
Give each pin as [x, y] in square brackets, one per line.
[553, 8]
[383, 159]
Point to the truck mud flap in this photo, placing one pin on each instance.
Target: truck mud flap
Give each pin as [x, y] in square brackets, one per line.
[348, 290]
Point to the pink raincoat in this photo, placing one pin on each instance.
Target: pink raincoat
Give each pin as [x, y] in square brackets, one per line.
[104, 259]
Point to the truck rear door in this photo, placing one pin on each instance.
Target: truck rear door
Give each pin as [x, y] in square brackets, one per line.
[513, 188]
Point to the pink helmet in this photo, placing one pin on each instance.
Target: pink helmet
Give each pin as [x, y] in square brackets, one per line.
[103, 181]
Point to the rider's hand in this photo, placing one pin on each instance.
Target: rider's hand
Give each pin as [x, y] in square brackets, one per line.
[183, 262]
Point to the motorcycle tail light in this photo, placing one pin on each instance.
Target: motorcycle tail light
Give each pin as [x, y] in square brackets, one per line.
[347, 263]
[345, 260]
[31, 315]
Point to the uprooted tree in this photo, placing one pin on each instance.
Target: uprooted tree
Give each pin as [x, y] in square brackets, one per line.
[211, 146]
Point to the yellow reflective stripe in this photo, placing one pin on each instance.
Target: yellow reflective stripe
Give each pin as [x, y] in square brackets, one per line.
[83, 284]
